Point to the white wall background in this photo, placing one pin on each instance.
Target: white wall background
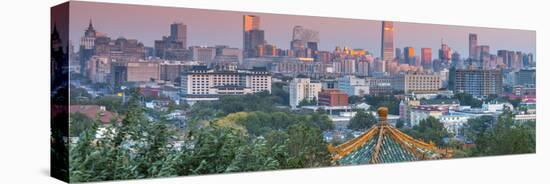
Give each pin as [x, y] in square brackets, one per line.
[24, 93]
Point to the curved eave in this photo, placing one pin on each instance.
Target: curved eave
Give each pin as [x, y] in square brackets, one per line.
[383, 143]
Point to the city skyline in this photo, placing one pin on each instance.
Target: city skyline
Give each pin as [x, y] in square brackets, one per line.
[211, 92]
[352, 33]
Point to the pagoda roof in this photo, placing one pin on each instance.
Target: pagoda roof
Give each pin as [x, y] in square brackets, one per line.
[383, 143]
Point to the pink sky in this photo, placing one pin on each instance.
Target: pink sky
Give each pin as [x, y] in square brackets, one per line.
[214, 27]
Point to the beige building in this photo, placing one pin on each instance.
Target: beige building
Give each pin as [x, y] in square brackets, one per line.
[303, 89]
[421, 83]
[201, 83]
[99, 68]
[142, 71]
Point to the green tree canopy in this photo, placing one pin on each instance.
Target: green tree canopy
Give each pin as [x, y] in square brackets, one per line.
[362, 120]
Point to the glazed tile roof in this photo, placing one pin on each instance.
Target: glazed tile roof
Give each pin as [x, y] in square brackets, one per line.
[385, 144]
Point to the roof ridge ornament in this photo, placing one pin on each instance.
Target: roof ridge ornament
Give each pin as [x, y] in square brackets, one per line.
[382, 115]
[373, 142]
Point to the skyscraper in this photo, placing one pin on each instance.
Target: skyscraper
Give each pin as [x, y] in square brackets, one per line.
[253, 39]
[472, 45]
[409, 55]
[445, 52]
[178, 32]
[304, 41]
[483, 52]
[251, 22]
[387, 41]
[173, 46]
[426, 55]
[251, 28]
[398, 54]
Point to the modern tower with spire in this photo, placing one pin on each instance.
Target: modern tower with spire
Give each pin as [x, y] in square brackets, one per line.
[387, 41]
[87, 46]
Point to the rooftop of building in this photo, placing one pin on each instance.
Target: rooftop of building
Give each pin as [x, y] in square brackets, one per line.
[93, 112]
[205, 69]
[439, 101]
[385, 144]
[425, 108]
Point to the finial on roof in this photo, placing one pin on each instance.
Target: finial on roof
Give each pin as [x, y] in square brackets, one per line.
[382, 114]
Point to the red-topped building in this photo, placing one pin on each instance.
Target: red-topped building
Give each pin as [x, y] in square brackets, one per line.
[333, 97]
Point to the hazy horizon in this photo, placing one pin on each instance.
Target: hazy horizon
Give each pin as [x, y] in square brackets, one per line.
[216, 27]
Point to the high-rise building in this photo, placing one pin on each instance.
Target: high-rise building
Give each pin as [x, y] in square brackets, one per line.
[304, 41]
[251, 22]
[472, 45]
[409, 55]
[445, 53]
[528, 59]
[483, 52]
[304, 34]
[87, 47]
[254, 38]
[178, 32]
[505, 57]
[174, 46]
[303, 89]
[252, 35]
[456, 61]
[362, 68]
[387, 41]
[426, 55]
[398, 54]
[478, 82]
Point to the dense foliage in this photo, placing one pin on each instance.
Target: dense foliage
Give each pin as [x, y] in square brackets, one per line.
[141, 148]
[429, 130]
[362, 121]
[501, 137]
[389, 101]
[78, 123]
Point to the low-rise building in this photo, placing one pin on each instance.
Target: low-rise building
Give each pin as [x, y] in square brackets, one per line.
[454, 123]
[384, 85]
[444, 105]
[202, 83]
[420, 113]
[333, 97]
[522, 118]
